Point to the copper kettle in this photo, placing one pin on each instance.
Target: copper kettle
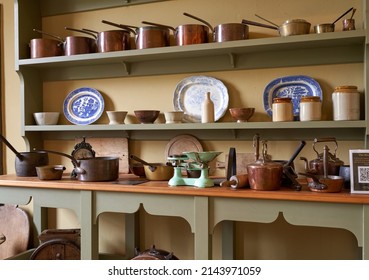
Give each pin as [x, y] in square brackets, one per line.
[316, 166]
[264, 174]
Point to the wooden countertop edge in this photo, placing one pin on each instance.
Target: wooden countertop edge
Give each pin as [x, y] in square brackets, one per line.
[161, 187]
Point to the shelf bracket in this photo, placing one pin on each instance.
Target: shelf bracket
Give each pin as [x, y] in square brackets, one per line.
[126, 67]
[232, 59]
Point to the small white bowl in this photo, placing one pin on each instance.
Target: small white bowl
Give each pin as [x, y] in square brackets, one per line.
[116, 117]
[173, 116]
[46, 118]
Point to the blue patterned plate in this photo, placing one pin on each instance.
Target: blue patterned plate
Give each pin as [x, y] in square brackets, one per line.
[83, 106]
[190, 93]
[294, 87]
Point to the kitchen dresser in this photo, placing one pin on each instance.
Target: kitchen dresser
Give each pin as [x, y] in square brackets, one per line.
[338, 47]
[310, 49]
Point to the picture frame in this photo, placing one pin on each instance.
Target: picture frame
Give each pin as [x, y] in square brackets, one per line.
[359, 171]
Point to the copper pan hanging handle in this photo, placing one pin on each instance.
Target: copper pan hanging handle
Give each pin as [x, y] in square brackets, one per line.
[200, 19]
[249, 22]
[82, 31]
[129, 28]
[159, 25]
[48, 34]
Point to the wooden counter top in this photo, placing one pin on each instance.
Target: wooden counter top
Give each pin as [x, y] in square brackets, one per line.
[161, 187]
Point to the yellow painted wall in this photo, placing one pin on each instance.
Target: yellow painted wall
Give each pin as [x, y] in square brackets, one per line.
[254, 241]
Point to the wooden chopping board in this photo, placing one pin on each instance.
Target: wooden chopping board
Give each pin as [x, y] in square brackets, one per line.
[115, 147]
[242, 160]
[14, 231]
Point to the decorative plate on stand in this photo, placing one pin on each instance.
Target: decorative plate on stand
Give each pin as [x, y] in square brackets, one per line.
[83, 106]
[190, 93]
[294, 87]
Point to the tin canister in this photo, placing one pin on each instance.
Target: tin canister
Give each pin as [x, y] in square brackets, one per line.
[346, 103]
[310, 108]
[282, 108]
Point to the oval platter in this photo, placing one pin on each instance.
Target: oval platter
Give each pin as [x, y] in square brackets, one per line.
[190, 93]
[294, 87]
[83, 106]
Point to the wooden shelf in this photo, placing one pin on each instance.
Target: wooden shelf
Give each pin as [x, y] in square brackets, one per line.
[342, 130]
[311, 49]
[273, 52]
[53, 7]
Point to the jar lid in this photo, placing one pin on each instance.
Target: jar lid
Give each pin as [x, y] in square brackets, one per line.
[310, 99]
[282, 100]
[345, 89]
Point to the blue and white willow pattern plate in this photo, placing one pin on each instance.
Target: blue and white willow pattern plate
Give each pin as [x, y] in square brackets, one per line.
[83, 106]
[294, 87]
[190, 93]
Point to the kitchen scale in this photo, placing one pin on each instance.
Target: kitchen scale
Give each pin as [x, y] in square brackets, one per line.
[201, 160]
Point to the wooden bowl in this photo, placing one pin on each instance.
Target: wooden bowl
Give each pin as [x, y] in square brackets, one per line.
[146, 116]
[242, 114]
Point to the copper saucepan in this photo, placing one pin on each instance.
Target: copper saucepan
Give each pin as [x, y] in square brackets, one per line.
[46, 47]
[96, 169]
[156, 171]
[80, 44]
[325, 182]
[26, 162]
[111, 40]
[190, 34]
[288, 28]
[153, 36]
[226, 31]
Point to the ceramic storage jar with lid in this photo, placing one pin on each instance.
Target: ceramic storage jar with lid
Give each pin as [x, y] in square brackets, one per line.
[310, 108]
[346, 103]
[282, 108]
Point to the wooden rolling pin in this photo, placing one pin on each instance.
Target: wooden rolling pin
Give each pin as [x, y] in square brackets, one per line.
[236, 181]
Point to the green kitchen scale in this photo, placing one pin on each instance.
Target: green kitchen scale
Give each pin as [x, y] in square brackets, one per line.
[200, 159]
